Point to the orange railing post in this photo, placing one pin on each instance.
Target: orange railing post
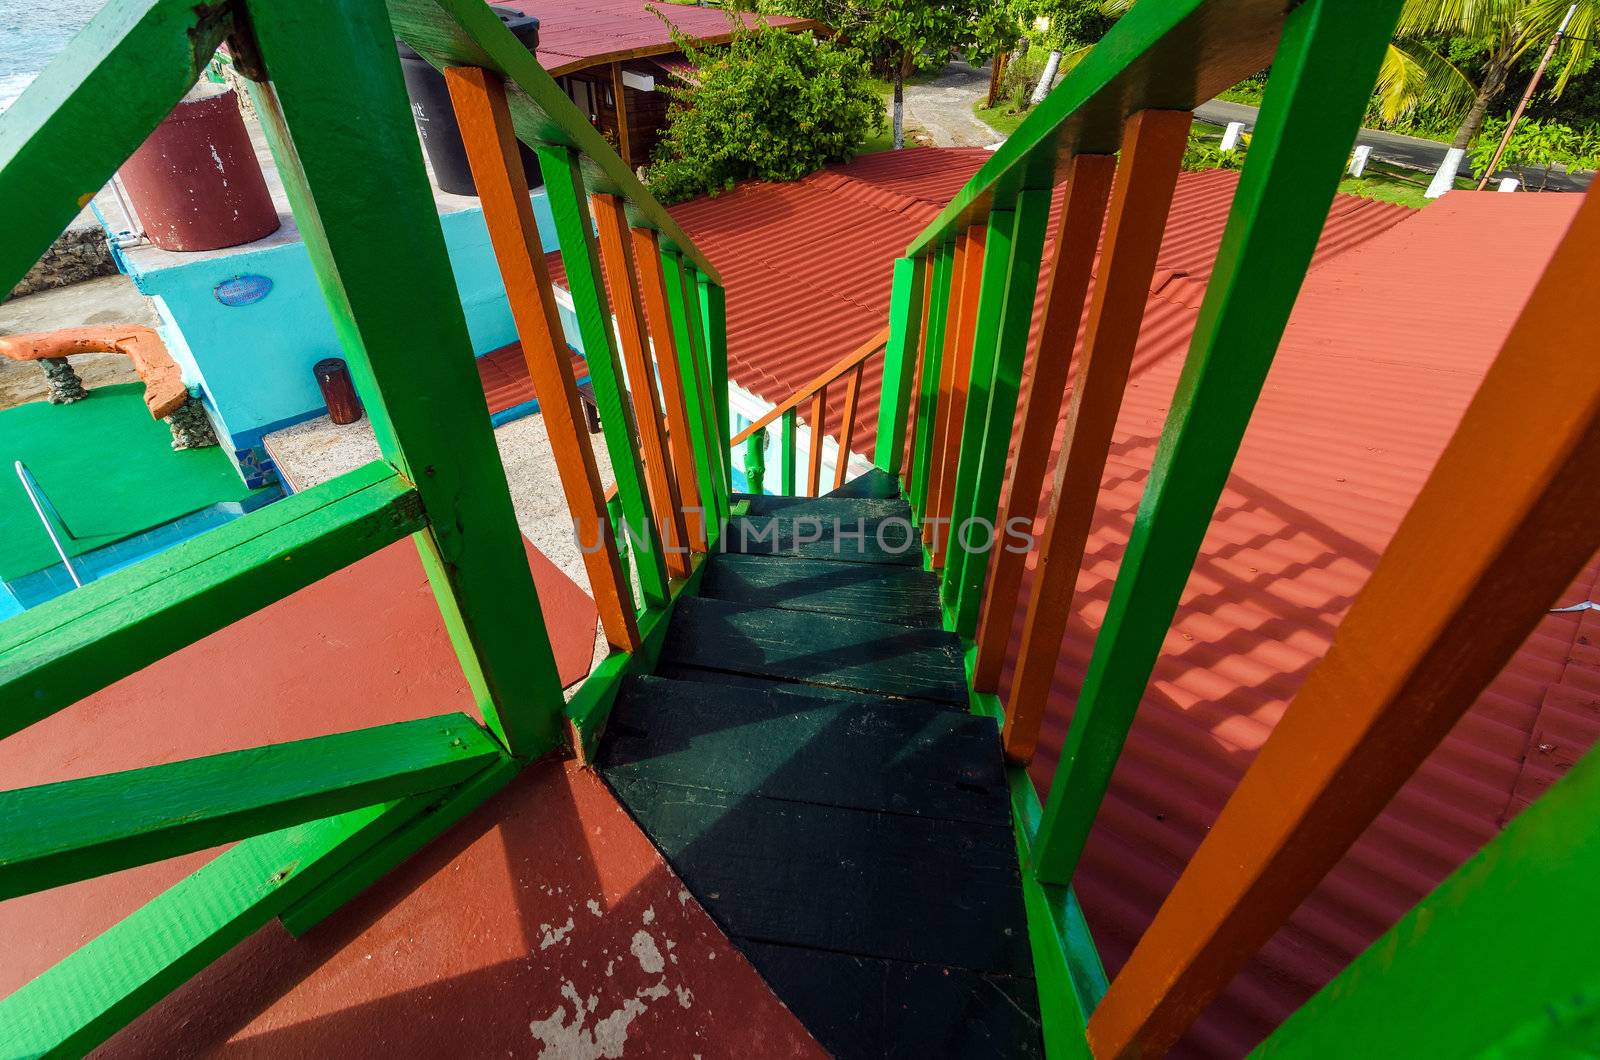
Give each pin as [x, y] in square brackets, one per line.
[1450, 601]
[847, 426]
[1077, 239]
[658, 317]
[819, 410]
[616, 257]
[954, 374]
[1152, 148]
[479, 98]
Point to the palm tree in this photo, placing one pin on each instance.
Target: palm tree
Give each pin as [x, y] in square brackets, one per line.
[1417, 71]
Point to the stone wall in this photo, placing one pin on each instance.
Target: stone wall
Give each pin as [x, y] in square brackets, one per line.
[79, 254]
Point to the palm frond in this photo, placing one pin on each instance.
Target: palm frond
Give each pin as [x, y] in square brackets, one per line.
[1479, 19]
[1414, 75]
[1543, 18]
[1071, 57]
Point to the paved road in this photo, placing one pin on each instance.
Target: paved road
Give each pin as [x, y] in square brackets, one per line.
[1410, 151]
[943, 107]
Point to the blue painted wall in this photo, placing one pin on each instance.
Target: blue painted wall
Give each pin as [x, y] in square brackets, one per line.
[253, 362]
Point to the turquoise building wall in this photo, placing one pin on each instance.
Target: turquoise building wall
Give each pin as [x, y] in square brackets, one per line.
[253, 362]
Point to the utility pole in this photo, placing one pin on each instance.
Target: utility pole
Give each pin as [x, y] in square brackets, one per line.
[1533, 85]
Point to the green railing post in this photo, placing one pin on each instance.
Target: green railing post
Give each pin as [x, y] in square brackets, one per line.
[707, 367]
[755, 462]
[714, 322]
[788, 451]
[1497, 961]
[614, 513]
[899, 358]
[707, 447]
[374, 209]
[1321, 80]
[932, 355]
[564, 185]
[1005, 313]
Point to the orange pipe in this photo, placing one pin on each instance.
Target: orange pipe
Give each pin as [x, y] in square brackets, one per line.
[164, 389]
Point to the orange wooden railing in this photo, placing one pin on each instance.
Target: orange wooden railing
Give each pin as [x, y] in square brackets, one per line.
[648, 319]
[815, 392]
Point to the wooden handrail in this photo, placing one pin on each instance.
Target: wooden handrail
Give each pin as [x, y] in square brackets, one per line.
[807, 392]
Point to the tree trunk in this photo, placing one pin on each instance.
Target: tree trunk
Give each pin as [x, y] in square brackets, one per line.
[1494, 80]
[1051, 65]
[996, 74]
[899, 108]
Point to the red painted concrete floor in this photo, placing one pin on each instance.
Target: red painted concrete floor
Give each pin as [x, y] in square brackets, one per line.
[543, 925]
[365, 646]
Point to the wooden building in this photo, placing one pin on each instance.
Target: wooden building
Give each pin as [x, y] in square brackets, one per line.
[603, 52]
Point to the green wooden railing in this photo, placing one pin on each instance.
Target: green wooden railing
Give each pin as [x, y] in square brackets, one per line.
[954, 427]
[318, 820]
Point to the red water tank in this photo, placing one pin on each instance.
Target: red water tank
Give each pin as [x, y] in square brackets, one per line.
[196, 183]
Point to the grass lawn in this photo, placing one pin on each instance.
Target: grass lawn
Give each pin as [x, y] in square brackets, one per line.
[884, 141]
[1382, 180]
[999, 118]
[1395, 184]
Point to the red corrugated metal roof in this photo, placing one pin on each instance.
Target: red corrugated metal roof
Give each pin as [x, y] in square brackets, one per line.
[575, 35]
[1386, 346]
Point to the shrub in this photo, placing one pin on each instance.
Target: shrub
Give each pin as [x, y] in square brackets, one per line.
[1535, 148]
[1202, 154]
[770, 105]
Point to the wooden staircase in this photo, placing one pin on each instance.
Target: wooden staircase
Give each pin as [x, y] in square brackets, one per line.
[805, 759]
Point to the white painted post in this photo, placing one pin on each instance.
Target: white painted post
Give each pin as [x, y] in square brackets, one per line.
[1358, 163]
[1509, 184]
[1445, 179]
[1230, 135]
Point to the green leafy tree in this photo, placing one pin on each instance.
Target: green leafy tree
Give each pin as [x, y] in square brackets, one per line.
[1454, 58]
[895, 34]
[1072, 28]
[1536, 147]
[769, 105]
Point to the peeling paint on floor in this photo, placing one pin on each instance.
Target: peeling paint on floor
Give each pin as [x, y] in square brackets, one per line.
[541, 926]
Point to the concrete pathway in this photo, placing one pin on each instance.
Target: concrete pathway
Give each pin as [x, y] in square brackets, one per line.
[1410, 151]
[943, 107]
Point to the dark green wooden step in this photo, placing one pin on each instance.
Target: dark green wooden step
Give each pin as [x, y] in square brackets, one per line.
[811, 648]
[874, 483]
[722, 677]
[906, 596]
[900, 1009]
[826, 508]
[846, 530]
[852, 881]
[879, 755]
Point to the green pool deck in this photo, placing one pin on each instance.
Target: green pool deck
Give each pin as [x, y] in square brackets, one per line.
[108, 468]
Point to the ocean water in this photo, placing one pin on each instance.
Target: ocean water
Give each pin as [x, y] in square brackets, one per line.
[32, 32]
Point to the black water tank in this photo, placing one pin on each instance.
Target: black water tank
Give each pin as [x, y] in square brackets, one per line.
[436, 119]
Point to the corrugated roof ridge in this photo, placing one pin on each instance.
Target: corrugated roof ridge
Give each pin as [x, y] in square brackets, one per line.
[870, 193]
[1177, 285]
[1532, 772]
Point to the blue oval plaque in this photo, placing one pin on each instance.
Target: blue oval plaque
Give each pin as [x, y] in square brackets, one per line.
[243, 290]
